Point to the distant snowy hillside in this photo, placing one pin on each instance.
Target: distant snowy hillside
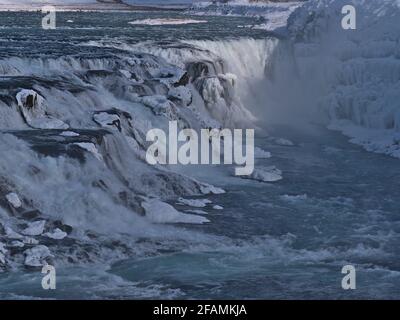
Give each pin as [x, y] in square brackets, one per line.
[67, 4]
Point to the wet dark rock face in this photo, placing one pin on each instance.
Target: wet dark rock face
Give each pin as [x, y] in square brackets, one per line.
[51, 143]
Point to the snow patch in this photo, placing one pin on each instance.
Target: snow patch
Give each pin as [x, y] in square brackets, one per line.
[294, 198]
[160, 22]
[161, 212]
[14, 200]
[34, 228]
[69, 134]
[196, 203]
[261, 154]
[57, 234]
[265, 174]
[35, 257]
[91, 148]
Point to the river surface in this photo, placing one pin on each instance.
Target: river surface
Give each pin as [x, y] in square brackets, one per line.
[336, 205]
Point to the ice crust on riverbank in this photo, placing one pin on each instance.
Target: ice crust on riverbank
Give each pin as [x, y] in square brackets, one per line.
[160, 22]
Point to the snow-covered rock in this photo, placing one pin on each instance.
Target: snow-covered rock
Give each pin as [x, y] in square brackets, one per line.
[35, 228]
[90, 147]
[29, 99]
[57, 234]
[107, 120]
[261, 154]
[35, 257]
[32, 107]
[196, 203]
[47, 122]
[11, 234]
[169, 21]
[265, 174]
[14, 200]
[69, 134]
[218, 207]
[210, 189]
[160, 212]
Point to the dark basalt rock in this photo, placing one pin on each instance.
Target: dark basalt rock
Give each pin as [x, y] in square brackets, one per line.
[199, 69]
[50, 143]
[31, 101]
[63, 227]
[31, 215]
[183, 81]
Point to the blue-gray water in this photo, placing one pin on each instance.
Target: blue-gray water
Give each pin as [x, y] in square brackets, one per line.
[272, 246]
[21, 33]
[296, 247]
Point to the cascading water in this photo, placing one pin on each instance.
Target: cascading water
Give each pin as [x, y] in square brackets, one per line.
[78, 124]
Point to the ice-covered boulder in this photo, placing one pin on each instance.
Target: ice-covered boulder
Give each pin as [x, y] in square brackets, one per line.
[14, 200]
[34, 228]
[265, 174]
[107, 120]
[57, 234]
[69, 134]
[218, 207]
[160, 212]
[210, 189]
[29, 99]
[196, 203]
[261, 154]
[32, 108]
[11, 234]
[36, 256]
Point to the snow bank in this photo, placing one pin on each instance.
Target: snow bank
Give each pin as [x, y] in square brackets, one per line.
[265, 174]
[14, 200]
[31, 105]
[196, 203]
[57, 234]
[34, 228]
[261, 154]
[161, 212]
[36, 256]
[160, 22]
